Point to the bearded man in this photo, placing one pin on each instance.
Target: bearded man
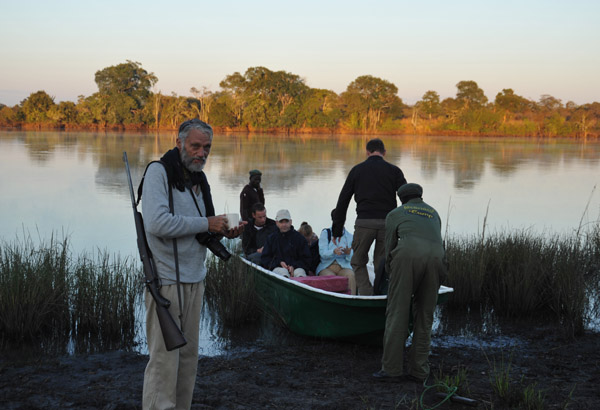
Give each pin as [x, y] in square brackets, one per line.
[179, 215]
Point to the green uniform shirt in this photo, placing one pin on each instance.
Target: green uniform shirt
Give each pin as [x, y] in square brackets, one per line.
[415, 219]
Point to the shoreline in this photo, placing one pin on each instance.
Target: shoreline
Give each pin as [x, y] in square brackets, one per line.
[297, 131]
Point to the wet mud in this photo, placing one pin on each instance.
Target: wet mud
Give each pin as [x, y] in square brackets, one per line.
[313, 374]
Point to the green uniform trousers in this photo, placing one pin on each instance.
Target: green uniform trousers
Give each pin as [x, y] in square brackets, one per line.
[416, 267]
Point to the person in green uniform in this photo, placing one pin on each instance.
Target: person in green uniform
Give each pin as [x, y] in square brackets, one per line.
[414, 261]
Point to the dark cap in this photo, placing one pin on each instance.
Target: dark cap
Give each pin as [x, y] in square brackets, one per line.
[255, 172]
[410, 190]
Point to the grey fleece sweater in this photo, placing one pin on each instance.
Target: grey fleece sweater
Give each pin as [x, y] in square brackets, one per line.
[161, 227]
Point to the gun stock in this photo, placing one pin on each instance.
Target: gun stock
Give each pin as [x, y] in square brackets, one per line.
[172, 335]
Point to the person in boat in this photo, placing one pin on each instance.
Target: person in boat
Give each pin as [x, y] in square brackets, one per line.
[286, 251]
[415, 263]
[170, 376]
[251, 194]
[335, 255]
[256, 233]
[373, 183]
[313, 245]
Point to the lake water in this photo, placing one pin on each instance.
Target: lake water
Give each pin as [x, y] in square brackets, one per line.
[74, 183]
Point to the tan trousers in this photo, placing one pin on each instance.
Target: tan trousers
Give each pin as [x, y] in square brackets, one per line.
[298, 272]
[336, 270]
[365, 232]
[170, 377]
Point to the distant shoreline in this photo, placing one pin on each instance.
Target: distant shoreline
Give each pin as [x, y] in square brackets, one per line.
[293, 131]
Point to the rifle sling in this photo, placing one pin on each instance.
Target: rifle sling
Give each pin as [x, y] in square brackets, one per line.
[175, 252]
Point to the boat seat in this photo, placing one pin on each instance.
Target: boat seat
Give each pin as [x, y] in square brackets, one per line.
[338, 284]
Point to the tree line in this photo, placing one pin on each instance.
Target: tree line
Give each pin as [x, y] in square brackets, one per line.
[262, 100]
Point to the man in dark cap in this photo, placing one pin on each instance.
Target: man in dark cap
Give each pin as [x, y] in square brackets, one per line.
[373, 183]
[251, 194]
[414, 261]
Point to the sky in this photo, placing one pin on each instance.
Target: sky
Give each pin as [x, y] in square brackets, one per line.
[534, 47]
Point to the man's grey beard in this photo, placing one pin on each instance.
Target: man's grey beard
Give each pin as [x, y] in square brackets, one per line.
[188, 161]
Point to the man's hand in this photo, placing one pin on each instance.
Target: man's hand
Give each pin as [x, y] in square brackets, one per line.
[217, 224]
[236, 231]
[259, 250]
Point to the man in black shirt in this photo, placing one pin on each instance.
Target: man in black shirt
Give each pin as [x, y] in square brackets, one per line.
[251, 194]
[258, 230]
[373, 183]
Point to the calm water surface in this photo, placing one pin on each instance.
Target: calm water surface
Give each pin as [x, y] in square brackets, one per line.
[74, 183]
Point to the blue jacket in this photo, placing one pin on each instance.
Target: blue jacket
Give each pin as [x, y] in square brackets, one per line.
[326, 248]
[289, 247]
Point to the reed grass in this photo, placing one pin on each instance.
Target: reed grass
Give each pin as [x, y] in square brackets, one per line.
[34, 290]
[104, 297]
[518, 274]
[230, 288]
[47, 297]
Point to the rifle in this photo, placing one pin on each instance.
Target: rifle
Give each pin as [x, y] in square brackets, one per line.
[172, 335]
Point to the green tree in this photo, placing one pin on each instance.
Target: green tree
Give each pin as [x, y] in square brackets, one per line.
[320, 109]
[367, 99]
[8, 116]
[125, 88]
[64, 113]
[234, 87]
[430, 104]
[36, 107]
[470, 95]
[549, 103]
[511, 102]
[266, 98]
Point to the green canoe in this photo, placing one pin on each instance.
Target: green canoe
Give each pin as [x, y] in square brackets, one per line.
[318, 313]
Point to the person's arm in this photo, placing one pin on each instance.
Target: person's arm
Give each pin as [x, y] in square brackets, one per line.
[158, 219]
[325, 248]
[243, 205]
[268, 258]
[391, 240]
[339, 217]
[400, 180]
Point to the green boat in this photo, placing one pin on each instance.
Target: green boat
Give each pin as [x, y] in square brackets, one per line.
[314, 312]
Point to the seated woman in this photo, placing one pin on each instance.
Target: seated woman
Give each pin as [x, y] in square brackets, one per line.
[313, 245]
[335, 256]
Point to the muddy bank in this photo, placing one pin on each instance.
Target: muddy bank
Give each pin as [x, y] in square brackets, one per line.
[310, 374]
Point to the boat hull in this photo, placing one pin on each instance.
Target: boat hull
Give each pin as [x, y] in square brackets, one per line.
[309, 311]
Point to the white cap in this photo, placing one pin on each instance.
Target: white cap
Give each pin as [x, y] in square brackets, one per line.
[283, 214]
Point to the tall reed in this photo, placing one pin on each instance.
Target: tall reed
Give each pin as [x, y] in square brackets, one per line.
[34, 289]
[230, 289]
[104, 297]
[47, 298]
[518, 274]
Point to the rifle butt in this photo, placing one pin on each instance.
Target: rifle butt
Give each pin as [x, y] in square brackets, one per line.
[172, 335]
